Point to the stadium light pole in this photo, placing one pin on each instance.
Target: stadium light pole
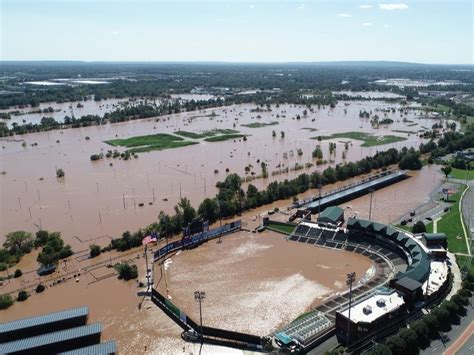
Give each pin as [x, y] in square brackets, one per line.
[371, 191]
[199, 297]
[350, 279]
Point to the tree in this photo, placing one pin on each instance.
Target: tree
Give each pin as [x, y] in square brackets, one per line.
[410, 161]
[18, 242]
[166, 225]
[396, 344]
[40, 288]
[422, 331]
[410, 338]
[446, 170]
[378, 349]
[186, 210]
[22, 296]
[60, 173]
[41, 238]
[94, 250]
[209, 210]
[5, 301]
[126, 271]
[419, 227]
[53, 250]
[17, 273]
[432, 323]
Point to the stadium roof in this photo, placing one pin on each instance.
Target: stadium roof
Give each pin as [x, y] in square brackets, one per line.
[435, 236]
[29, 344]
[109, 347]
[43, 320]
[332, 214]
[409, 283]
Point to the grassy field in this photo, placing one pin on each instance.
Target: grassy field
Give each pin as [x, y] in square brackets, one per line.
[368, 139]
[465, 262]
[281, 228]
[259, 124]
[450, 224]
[140, 144]
[205, 134]
[462, 174]
[224, 137]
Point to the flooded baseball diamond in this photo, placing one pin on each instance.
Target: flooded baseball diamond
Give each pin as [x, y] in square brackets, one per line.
[99, 200]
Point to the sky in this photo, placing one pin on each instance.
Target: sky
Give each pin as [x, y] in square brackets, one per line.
[422, 31]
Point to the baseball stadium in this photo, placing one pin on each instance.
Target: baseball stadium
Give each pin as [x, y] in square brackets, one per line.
[399, 275]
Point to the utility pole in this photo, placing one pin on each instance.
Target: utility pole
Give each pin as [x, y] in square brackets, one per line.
[350, 279]
[199, 297]
[371, 191]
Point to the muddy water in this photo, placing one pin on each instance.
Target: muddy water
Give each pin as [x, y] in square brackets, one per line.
[256, 282]
[95, 201]
[89, 107]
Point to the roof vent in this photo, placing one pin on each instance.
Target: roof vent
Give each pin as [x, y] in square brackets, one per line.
[381, 302]
[367, 310]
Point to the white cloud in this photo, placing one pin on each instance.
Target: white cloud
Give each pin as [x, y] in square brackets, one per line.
[344, 15]
[365, 6]
[252, 6]
[367, 24]
[115, 33]
[393, 6]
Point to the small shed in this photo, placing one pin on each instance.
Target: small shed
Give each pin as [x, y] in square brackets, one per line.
[435, 239]
[332, 215]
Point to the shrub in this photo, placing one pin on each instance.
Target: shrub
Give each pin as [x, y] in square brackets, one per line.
[95, 250]
[22, 296]
[410, 338]
[5, 301]
[17, 273]
[126, 272]
[378, 349]
[419, 227]
[40, 288]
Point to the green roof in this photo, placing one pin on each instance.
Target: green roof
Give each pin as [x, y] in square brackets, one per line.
[435, 236]
[334, 214]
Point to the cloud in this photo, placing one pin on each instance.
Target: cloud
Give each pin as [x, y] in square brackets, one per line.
[393, 6]
[367, 24]
[344, 15]
[365, 6]
[115, 33]
[252, 6]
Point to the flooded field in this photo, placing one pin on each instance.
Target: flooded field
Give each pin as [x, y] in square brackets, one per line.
[99, 200]
[77, 109]
[258, 280]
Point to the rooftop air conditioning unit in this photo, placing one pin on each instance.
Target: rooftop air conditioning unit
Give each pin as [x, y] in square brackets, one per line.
[367, 310]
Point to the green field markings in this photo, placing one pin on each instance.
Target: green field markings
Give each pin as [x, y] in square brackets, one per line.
[205, 134]
[259, 124]
[140, 144]
[224, 137]
[368, 139]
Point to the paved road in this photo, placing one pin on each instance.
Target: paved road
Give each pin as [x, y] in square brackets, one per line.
[437, 346]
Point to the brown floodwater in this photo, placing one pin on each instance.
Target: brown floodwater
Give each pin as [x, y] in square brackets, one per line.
[95, 201]
[256, 282]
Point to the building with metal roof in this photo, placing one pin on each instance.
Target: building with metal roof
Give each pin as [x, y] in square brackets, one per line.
[52, 333]
[108, 347]
[55, 342]
[47, 323]
[333, 215]
[435, 239]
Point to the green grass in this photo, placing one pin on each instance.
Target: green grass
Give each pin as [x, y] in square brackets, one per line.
[281, 228]
[224, 137]
[259, 124]
[140, 144]
[205, 134]
[462, 174]
[450, 224]
[368, 139]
